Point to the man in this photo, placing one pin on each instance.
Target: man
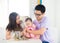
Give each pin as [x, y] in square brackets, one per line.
[41, 23]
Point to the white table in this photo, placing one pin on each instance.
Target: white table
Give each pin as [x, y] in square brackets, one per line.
[21, 41]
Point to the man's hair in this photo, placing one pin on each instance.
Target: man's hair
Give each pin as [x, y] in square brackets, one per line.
[41, 8]
[28, 19]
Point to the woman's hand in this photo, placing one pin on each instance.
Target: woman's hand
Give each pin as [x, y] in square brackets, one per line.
[22, 33]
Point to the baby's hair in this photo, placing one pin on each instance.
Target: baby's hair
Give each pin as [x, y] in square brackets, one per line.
[28, 19]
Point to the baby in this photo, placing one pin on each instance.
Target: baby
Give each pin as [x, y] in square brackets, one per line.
[29, 25]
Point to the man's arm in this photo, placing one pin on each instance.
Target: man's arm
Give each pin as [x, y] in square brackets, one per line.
[44, 26]
[38, 32]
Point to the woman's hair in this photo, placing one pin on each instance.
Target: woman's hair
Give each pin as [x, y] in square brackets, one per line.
[12, 22]
[28, 19]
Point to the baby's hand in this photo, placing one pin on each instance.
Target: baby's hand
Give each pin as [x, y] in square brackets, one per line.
[29, 31]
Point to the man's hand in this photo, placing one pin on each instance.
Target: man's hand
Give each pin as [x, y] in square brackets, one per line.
[37, 32]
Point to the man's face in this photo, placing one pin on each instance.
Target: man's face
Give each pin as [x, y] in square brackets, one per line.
[38, 15]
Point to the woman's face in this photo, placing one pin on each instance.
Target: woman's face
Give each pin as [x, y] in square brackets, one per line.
[18, 19]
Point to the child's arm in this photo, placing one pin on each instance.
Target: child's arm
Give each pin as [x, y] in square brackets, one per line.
[26, 34]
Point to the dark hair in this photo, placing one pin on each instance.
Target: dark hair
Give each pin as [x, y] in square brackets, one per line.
[41, 8]
[12, 22]
[28, 19]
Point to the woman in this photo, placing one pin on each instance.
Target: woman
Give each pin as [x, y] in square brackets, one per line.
[13, 25]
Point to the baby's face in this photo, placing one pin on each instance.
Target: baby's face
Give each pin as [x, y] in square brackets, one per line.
[28, 23]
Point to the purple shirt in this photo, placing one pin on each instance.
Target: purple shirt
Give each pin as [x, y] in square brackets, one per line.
[43, 23]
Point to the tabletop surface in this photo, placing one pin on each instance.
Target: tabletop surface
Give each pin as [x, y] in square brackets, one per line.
[21, 41]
